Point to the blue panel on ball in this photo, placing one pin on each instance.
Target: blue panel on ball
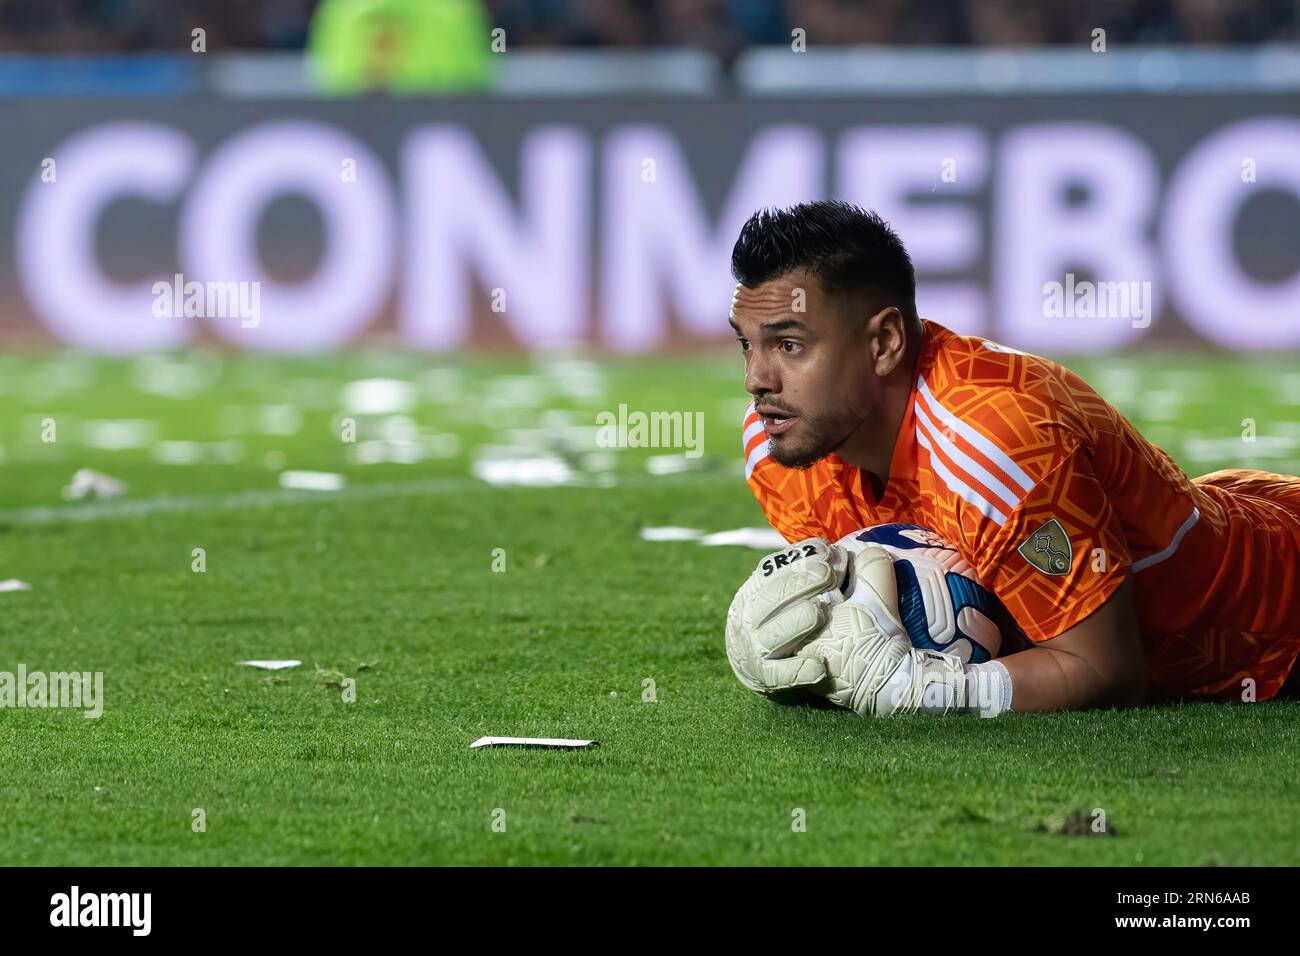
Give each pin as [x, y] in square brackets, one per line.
[892, 536]
[911, 607]
[968, 593]
[964, 592]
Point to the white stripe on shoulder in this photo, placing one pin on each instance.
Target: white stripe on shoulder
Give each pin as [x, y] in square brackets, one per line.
[959, 487]
[758, 454]
[1168, 552]
[964, 462]
[994, 453]
[751, 431]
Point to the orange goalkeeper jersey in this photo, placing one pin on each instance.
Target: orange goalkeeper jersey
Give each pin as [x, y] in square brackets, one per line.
[1055, 498]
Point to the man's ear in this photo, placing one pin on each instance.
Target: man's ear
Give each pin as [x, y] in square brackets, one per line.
[887, 339]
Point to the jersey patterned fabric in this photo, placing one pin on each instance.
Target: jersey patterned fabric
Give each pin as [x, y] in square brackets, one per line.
[1055, 499]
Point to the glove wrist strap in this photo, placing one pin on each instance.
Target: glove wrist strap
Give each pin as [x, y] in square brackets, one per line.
[988, 689]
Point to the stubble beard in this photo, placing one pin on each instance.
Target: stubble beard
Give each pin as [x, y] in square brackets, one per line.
[821, 436]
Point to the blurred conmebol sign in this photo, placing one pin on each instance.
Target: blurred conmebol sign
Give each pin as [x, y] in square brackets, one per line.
[1173, 217]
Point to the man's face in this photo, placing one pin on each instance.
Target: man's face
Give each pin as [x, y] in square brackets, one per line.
[806, 364]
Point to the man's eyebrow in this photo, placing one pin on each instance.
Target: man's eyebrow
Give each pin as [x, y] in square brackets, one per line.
[774, 328]
[783, 325]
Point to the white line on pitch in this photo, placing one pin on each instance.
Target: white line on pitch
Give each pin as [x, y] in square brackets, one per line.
[140, 507]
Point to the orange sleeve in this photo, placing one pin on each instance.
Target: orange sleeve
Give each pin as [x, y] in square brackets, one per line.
[1060, 555]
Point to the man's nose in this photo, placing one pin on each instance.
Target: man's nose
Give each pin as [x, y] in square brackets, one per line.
[761, 375]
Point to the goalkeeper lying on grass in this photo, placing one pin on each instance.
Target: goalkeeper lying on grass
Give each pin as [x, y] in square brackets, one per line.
[1130, 580]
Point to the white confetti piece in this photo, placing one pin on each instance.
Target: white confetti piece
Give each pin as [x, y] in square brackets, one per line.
[271, 665]
[197, 452]
[13, 584]
[88, 483]
[312, 480]
[673, 464]
[172, 377]
[377, 396]
[671, 533]
[279, 420]
[558, 742]
[764, 539]
[535, 471]
[118, 435]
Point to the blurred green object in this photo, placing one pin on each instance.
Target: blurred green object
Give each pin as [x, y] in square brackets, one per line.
[401, 46]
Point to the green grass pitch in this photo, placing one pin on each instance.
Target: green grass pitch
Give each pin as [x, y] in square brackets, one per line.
[391, 583]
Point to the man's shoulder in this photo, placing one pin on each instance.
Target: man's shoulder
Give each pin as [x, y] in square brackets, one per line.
[994, 423]
[1025, 405]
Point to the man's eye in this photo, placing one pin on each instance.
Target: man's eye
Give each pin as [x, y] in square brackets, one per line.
[744, 344]
[790, 345]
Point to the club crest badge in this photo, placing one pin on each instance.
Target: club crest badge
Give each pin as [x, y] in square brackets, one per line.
[1048, 549]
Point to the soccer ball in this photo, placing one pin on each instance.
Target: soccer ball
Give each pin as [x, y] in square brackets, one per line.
[942, 606]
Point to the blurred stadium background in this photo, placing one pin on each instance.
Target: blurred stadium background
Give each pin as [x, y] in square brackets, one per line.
[384, 164]
[444, 178]
[469, 228]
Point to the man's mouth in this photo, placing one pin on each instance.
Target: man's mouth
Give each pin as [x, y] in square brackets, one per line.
[776, 424]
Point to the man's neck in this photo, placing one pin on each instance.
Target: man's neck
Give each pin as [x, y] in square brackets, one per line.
[871, 448]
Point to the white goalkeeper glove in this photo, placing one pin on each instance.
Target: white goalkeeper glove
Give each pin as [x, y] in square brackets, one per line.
[784, 604]
[825, 621]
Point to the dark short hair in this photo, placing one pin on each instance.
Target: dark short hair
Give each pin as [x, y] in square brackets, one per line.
[846, 247]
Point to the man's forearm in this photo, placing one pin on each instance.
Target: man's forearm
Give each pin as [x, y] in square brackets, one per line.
[1099, 662]
[1045, 679]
